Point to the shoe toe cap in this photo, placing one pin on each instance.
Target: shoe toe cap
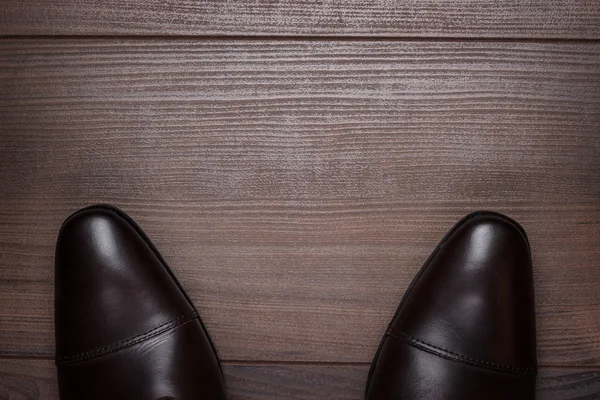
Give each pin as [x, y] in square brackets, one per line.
[111, 285]
[475, 295]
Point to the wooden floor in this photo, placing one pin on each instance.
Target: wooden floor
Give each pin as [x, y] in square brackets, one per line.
[296, 162]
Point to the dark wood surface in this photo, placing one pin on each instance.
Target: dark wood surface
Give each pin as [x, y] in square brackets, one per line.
[573, 19]
[296, 188]
[296, 185]
[36, 379]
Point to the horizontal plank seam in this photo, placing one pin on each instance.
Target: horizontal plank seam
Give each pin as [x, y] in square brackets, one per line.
[274, 363]
[327, 38]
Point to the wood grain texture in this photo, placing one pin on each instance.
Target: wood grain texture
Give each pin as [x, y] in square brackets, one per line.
[296, 187]
[36, 379]
[426, 18]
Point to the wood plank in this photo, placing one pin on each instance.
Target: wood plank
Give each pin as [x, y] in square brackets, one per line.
[426, 18]
[36, 379]
[296, 187]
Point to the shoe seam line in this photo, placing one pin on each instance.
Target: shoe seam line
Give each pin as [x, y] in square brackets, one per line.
[445, 353]
[175, 322]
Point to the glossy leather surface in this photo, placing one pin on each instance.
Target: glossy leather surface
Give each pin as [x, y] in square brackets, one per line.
[466, 326]
[124, 327]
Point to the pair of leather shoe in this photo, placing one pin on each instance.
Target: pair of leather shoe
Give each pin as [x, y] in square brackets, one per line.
[125, 329]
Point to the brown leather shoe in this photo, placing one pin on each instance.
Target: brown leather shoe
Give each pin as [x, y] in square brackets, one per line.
[125, 329]
[465, 328]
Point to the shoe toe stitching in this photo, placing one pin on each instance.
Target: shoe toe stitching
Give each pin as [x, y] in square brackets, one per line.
[451, 355]
[182, 319]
